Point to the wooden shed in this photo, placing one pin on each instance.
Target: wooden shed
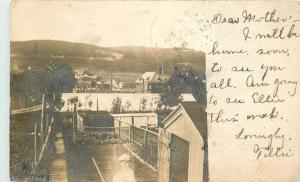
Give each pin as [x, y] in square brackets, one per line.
[94, 119]
[187, 126]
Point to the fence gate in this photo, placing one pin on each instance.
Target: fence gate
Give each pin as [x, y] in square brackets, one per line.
[173, 158]
[164, 153]
[179, 161]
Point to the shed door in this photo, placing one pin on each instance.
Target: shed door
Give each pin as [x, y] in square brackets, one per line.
[179, 161]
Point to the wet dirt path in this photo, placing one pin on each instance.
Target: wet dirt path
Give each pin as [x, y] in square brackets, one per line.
[81, 167]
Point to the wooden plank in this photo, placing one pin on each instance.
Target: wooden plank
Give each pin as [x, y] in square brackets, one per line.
[45, 144]
[98, 170]
[164, 152]
[58, 169]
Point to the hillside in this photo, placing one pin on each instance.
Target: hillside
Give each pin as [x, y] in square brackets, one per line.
[101, 60]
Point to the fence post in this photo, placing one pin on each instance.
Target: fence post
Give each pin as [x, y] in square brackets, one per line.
[73, 122]
[145, 144]
[129, 135]
[119, 129]
[42, 119]
[46, 124]
[164, 155]
[132, 135]
[35, 146]
[147, 122]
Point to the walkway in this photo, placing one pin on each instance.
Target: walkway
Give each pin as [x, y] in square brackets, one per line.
[82, 169]
[58, 170]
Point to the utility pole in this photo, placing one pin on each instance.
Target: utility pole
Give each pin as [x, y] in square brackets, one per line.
[97, 104]
[73, 126]
[111, 89]
[143, 86]
[74, 122]
[42, 119]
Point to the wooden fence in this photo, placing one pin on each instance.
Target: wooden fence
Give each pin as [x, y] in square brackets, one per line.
[30, 131]
[26, 110]
[152, 148]
[141, 142]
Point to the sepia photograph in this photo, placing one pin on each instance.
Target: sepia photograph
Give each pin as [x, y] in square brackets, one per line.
[107, 92]
[152, 91]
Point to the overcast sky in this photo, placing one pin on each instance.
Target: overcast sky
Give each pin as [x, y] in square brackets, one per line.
[106, 23]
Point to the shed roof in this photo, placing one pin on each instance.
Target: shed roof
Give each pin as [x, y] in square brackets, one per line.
[196, 113]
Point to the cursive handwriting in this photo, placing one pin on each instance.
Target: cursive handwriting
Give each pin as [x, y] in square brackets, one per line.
[219, 118]
[268, 151]
[269, 115]
[216, 51]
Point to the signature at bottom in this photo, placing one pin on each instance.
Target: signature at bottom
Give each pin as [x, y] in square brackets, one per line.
[270, 151]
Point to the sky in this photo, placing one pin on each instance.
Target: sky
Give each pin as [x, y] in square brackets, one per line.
[108, 24]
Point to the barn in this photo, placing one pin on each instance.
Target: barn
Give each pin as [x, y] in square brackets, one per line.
[187, 125]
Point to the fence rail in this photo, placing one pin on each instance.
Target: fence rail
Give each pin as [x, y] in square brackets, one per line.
[141, 142]
[27, 110]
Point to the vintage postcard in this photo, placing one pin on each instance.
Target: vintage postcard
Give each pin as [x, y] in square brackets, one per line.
[154, 91]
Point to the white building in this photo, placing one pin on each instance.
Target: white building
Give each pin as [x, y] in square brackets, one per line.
[143, 81]
[130, 102]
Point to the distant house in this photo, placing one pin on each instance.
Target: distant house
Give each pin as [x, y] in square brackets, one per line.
[78, 74]
[87, 76]
[105, 86]
[188, 126]
[156, 87]
[127, 86]
[83, 83]
[83, 75]
[142, 83]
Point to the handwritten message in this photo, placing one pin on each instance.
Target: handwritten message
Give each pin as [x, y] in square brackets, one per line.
[252, 80]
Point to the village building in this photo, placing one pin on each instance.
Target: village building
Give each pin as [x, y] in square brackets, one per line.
[146, 80]
[156, 87]
[127, 87]
[78, 74]
[187, 125]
